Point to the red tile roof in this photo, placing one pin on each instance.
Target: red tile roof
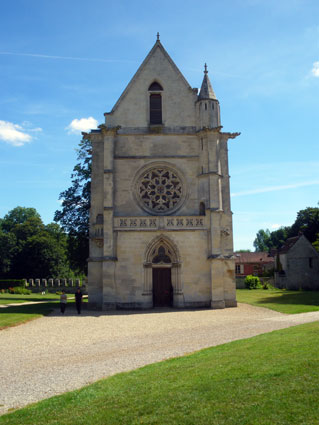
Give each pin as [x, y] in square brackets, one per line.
[252, 257]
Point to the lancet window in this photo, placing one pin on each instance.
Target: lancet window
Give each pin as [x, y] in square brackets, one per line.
[155, 103]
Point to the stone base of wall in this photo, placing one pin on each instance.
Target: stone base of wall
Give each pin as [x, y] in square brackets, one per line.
[133, 306]
[94, 306]
[230, 303]
[197, 304]
[217, 304]
[147, 306]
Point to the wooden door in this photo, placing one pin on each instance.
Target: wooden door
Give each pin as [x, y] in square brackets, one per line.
[162, 287]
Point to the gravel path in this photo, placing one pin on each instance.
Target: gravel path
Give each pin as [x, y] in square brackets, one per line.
[55, 354]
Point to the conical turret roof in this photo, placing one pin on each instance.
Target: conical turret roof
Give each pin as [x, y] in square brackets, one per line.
[206, 91]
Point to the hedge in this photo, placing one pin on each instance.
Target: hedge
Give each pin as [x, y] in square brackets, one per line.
[11, 283]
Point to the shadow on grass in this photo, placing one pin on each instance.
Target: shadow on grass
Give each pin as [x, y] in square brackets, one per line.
[24, 299]
[298, 298]
[40, 308]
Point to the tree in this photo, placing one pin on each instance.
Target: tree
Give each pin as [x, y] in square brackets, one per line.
[7, 244]
[279, 237]
[18, 215]
[263, 240]
[307, 222]
[244, 250]
[74, 216]
[31, 249]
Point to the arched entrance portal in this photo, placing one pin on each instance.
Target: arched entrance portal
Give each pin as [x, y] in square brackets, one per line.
[162, 281]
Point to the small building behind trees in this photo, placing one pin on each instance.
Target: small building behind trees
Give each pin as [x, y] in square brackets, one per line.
[297, 265]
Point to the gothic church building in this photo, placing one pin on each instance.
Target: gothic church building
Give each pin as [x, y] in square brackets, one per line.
[160, 220]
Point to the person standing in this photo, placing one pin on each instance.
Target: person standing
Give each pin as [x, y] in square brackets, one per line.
[63, 301]
[78, 300]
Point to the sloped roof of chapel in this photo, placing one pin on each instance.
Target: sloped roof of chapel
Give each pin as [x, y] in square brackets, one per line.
[157, 45]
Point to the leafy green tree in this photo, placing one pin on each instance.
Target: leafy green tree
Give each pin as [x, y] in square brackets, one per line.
[262, 241]
[41, 256]
[307, 222]
[74, 216]
[32, 249]
[279, 237]
[18, 215]
[7, 244]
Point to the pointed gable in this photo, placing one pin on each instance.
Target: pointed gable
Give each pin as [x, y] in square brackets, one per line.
[297, 245]
[132, 108]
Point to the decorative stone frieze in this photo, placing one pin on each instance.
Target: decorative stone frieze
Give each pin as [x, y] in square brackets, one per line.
[160, 223]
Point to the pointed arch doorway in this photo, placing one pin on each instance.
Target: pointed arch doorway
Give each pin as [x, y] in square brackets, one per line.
[162, 277]
[162, 274]
[162, 287]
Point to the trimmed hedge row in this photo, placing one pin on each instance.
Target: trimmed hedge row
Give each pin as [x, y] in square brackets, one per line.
[11, 283]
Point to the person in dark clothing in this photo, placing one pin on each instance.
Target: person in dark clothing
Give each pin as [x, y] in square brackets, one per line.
[78, 300]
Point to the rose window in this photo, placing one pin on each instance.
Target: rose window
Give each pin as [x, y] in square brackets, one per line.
[160, 190]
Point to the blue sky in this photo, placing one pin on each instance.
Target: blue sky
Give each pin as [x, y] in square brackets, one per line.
[64, 63]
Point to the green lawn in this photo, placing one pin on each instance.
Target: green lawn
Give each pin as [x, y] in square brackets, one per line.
[269, 379]
[289, 302]
[16, 298]
[16, 315]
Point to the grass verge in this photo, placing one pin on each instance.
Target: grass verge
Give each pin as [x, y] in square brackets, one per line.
[15, 315]
[269, 379]
[16, 298]
[289, 302]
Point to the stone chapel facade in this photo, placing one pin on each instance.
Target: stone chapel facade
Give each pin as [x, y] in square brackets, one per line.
[160, 219]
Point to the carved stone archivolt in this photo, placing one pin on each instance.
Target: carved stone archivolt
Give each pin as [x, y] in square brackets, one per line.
[159, 190]
[162, 252]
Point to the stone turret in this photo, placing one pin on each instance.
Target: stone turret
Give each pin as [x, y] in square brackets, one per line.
[208, 111]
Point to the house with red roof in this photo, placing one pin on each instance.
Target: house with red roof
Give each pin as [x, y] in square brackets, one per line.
[255, 263]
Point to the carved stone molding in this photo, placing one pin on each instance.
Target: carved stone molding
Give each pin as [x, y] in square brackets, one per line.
[108, 130]
[161, 223]
[98, 242]
[225, 231]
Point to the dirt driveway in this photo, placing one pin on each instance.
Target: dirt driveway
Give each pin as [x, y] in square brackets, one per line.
[59, 353]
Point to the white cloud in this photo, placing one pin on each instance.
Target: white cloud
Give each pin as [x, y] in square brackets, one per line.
[36, 55]
[275, 188]
[315, 69]
[83, 124]
[13, 134]
[37, 129]
[275, 226]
